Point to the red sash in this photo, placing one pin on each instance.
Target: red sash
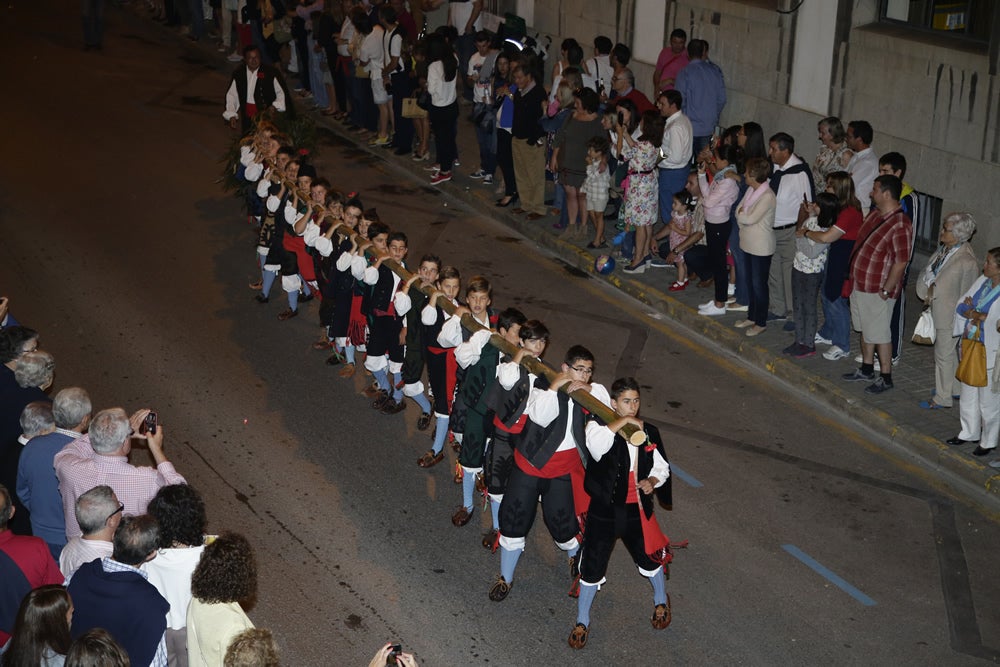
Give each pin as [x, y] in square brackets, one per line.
[251, 109]
[652, 537]
[358, 323]
[566, 462]
[450, 370]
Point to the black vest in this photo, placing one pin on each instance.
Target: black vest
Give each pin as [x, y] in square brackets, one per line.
[538, 444]
[508, 404]
[607, 480]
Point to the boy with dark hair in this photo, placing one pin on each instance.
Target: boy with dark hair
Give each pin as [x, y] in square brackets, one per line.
[341, 287]
[620, 479]
[410, 307]
[507, 399]
[894, 164]
[441, 365]
[549, 460]
[385, 344]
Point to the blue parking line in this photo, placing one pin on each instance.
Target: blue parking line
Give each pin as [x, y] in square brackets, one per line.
[686, 478]
[828, 574]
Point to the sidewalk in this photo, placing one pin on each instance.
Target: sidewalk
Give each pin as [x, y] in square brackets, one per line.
[912, 432]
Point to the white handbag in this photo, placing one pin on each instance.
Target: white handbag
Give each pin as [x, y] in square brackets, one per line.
[924, 333]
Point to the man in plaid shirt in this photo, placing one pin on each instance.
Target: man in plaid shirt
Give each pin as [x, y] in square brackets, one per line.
[101, 457]
[881, 253]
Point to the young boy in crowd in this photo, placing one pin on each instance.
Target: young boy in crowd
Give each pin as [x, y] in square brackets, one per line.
[441, 364]
[549, 458]
[409, 305]
[385, 341]
[508, 399]
[341, 288]
[621, 477]
[597, 186]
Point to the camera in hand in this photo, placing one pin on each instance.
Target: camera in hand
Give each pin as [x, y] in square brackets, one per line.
[148, 424]
[621, 118]
[394, 651]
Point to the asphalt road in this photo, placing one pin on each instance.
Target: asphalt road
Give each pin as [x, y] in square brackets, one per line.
[118, 245]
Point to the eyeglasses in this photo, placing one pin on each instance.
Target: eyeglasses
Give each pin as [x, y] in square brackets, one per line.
[586, 370]
[121, 508]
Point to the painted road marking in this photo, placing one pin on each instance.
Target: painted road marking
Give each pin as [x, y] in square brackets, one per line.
[828, 574]
[685, 477]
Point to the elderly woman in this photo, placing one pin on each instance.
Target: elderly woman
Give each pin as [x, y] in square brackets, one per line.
[948, 275]
[977, 318]
[226, 576]
[755, 217]
[834, 155]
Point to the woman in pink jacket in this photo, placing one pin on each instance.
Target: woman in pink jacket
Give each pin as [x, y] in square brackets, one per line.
[718, 198]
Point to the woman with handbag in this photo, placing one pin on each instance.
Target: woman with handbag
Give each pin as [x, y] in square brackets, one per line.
[976, 319]
[948, 275]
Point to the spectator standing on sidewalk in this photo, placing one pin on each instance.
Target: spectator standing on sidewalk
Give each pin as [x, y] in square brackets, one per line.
[704, 90]
[442, 78]
[673, 58]
[528, 147]
[863, 166]
[879, 259]
[949, 274]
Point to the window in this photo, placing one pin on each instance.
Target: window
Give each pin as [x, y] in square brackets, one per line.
[926, 221]
[970, 20]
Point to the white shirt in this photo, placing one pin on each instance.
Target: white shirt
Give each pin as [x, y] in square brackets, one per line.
[79, 551]
[600, 69]
[171, 572]
[347, 31]
[233, 96]
[678, 140]
[543, 409]
[371, 54]
[599, 441]
[442, 92]
[790, 192]
[459, 13]
[863, 169]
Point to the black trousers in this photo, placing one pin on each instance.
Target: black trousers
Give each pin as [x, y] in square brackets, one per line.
[520, 502]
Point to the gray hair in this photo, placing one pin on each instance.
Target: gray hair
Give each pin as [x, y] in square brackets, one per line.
[94, 507]
[628, 74]
[963, 225]
[108, 430]
[35, 369]
[71, 406]
[36, 418]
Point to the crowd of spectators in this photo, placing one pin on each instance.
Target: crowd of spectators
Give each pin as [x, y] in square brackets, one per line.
[104, 562]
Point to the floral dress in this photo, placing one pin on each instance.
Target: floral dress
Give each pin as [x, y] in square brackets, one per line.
[642, 194]
[828, 161]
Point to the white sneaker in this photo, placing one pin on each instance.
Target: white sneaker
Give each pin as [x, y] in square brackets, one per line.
[819, 340]
[731, 290]
[488, 179]
[710, 302]
[712, 310]
[835, 353]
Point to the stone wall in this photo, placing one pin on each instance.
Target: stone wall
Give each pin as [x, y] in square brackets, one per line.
[935, 103]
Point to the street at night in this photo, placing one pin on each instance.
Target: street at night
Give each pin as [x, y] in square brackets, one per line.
[807, 543]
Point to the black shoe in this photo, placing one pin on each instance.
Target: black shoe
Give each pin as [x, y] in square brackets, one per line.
[306, 298]
[956, 441]
[982, 451]
[402, 151]
[260, 298]
[879, 386]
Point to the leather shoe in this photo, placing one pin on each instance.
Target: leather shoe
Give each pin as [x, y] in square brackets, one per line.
[424, 421]
[499, 590]
[392, 407]
[430, 459]
[490, 539]
[371, 391]
[983, 451]
[260, 298]
[506, 201]
[661, 615]
[287, 314]
[956, 441]
[578, 637]
[461, 517]
[518, 210]
[535, 216]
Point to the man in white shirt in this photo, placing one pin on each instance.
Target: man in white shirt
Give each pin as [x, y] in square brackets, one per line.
[676, 148]
[98, 512]
[863, 167]
[253, 89]
[599, 67]
[792, 184]
[463, 15]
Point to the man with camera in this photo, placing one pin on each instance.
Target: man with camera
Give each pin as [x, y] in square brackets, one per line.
[101, 457]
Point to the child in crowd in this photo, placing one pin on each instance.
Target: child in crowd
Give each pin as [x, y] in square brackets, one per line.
[342, 290]
[596, 186]
[808, 268]
[385, 350]
[681, 219]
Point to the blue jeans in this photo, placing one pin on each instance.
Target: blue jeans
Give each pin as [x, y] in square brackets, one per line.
[487, 148]
[742, 268]
[671, 182]
[760, 267]
[836, 321]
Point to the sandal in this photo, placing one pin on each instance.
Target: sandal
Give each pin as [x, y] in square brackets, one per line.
[931, 405]
[661, 615]
[578, 637]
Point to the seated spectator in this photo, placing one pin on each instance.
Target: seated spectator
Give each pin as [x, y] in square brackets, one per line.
[37, 484]
[252, 648]
[25, 563]
[101, 457]
[113, 593]
[180, 512]
[41, 631]
[98, 514]
[226, 576]
[96, 648]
